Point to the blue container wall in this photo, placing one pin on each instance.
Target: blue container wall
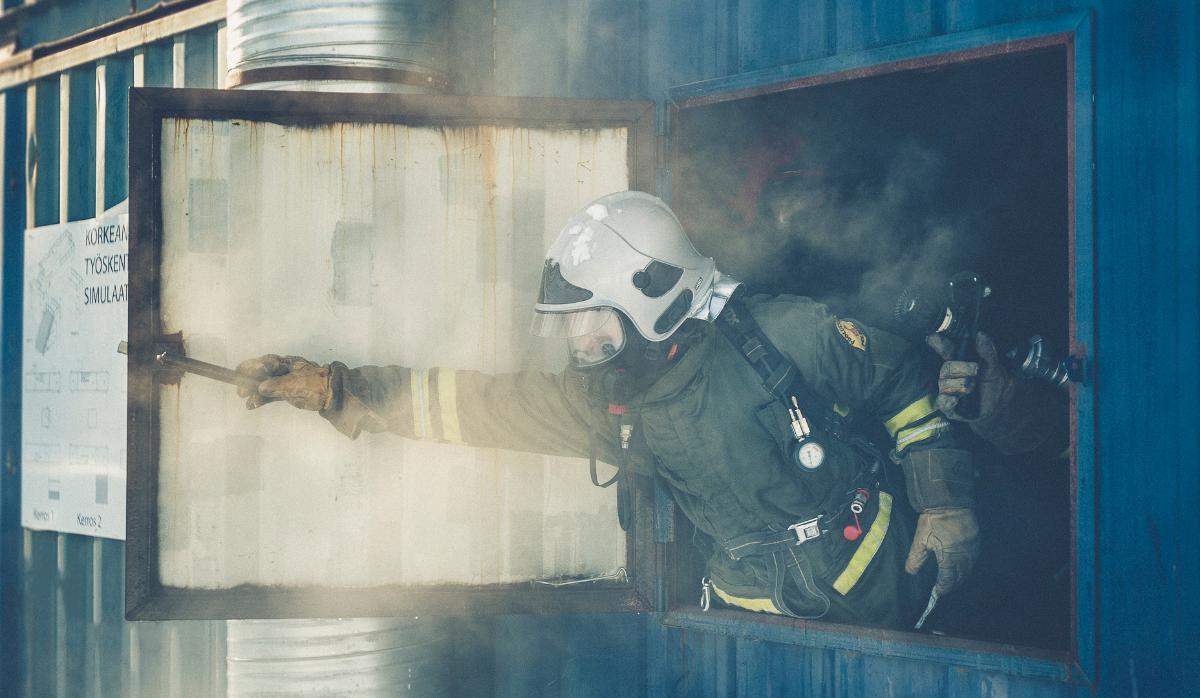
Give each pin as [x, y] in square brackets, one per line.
[1146, 268]
[11, 639]
[66, 591]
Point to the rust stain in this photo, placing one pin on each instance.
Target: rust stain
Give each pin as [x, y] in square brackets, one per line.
[489, 251]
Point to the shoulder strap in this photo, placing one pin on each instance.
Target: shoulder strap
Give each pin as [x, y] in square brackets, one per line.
[779, 375]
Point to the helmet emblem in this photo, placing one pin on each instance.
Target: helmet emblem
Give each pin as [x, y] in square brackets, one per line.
[581, 247]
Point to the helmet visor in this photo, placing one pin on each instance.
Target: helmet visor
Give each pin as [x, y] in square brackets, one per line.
[593, 336]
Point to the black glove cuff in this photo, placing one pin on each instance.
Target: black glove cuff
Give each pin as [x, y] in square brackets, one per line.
[939, 478]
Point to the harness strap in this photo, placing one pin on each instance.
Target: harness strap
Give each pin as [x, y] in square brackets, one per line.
[758, 543]
[622, 480]
[781, 547]
[779, 375]
[592, 464]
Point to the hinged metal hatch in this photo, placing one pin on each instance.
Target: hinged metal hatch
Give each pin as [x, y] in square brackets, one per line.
[370, 229]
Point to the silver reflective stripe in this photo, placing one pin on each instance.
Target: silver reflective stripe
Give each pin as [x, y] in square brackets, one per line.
[906, 437]
[420, 396]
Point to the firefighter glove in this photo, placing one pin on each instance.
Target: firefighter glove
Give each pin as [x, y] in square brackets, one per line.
[293, 379]
[959, 378]
[952, 535]
[1015, 416]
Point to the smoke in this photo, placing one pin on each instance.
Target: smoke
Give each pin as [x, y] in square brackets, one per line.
[434, 234]
[891, 229]
[848, 222]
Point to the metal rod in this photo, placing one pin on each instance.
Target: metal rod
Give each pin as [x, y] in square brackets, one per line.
[200, 368]
[203, 368]
[619, 574]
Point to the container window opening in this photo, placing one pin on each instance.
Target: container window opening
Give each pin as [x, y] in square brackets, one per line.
[858, 192]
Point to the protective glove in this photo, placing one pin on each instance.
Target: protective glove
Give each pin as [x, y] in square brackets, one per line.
[952, 535]
[294, 379]
[1015, 415]
[959, 378]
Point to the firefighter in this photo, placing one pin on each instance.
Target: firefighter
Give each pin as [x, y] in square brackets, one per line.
[743, 405]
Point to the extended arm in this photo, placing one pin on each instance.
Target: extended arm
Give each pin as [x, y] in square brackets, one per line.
[526, 411]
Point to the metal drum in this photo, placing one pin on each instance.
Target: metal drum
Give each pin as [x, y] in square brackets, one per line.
[338, 45]
[361, 657]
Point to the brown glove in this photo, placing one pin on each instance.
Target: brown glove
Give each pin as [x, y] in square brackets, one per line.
[959, 378]
[952, 535]
[292, 378]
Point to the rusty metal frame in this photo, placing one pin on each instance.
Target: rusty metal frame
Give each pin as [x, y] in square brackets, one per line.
[1073, 34]
[146, 598]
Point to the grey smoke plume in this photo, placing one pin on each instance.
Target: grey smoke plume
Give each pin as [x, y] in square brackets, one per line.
[849, 223]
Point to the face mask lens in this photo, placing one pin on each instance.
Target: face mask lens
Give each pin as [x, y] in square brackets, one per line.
[593, 336]
[597, 346]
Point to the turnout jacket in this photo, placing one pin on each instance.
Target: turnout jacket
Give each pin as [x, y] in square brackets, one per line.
[720, 441]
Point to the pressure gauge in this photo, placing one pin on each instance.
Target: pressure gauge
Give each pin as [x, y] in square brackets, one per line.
[809, 454]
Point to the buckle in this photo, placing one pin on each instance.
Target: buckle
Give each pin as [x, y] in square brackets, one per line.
[806, 530]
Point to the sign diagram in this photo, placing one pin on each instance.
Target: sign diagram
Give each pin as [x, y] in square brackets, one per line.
[73, 379]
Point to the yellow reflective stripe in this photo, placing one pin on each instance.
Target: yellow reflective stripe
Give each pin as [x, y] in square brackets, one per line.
[418, 387]
[867, 549]
[760, 605]
[917, 411]
[928, 430]
[448, 398]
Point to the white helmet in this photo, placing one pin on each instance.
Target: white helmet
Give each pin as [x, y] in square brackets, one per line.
[624, 252]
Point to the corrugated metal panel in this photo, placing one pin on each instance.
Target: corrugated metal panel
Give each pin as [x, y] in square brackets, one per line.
[81, 143]
[701, 664]
[578, 48]
[118, 71]
[76, 641]
[12, 639]
[863, 25]
[1146, 291]
[777, 33]
[53, 21]
[432, 213]
[961, 15]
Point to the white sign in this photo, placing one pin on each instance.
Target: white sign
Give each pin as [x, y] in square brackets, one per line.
[73, 399]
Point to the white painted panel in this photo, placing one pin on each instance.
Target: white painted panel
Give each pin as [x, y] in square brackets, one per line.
[377, 244]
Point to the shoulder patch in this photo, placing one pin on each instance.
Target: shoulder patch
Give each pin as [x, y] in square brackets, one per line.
[852, 334]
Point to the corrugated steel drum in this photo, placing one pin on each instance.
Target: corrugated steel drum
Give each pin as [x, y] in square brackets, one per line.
[365, 656]
[338, 45]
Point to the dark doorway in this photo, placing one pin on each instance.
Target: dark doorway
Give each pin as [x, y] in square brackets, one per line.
[854, 191]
